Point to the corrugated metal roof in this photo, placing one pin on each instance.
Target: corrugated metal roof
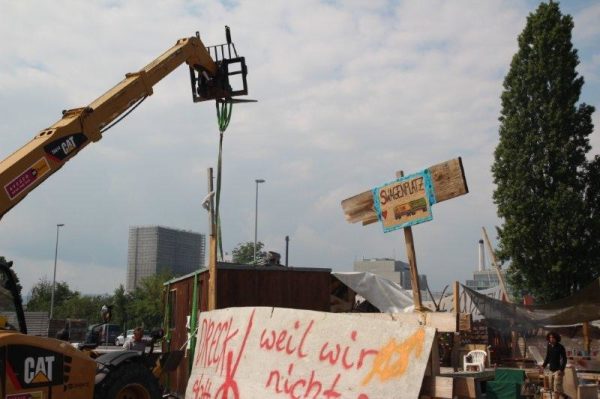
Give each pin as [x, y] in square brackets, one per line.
[37, 322]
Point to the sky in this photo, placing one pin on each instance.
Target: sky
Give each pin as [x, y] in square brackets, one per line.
[349, 92]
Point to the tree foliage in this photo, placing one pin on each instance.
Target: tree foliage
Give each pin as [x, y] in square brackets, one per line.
[547, 191]
[41, 295]
[143, 307]
[82, 307]
[146, 307]
[244, 252]
[121, 301]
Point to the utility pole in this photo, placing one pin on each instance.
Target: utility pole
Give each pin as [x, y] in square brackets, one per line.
[58, 226]
[256, 217]
[287, 246]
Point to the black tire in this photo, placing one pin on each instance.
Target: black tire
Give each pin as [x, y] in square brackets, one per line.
[131, 380]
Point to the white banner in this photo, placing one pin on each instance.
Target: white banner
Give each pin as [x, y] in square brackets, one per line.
[258, 353]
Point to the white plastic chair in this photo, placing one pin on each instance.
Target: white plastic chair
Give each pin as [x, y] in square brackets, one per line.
[477, 359]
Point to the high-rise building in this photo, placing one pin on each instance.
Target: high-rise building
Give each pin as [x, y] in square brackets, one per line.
[154, 249]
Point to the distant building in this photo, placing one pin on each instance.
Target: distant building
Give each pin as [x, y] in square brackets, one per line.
[484, 278]
[394, 270]
[155, 249]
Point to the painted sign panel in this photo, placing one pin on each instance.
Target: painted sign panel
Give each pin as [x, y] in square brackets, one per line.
[28, 177]
[29, 395]
[287, 353]
[61, 148]
[405, 201]
[32, 367]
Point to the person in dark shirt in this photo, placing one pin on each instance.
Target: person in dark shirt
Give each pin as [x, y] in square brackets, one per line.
[556, 359]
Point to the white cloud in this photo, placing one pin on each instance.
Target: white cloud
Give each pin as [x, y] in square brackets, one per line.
[349, 93]
[86, 278]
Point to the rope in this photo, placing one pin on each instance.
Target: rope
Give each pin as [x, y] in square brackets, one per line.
[224, 108]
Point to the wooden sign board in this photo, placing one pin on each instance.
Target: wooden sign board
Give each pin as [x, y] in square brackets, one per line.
[404, 202]
[447, 180]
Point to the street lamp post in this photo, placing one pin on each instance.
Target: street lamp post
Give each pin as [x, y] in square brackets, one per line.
[58, 226]
[256, 216]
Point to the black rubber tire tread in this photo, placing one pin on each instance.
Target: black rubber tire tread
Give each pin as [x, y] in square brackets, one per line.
[128, 373]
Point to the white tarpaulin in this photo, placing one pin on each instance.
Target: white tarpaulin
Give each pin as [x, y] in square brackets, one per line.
[386, 295]
[251, 353]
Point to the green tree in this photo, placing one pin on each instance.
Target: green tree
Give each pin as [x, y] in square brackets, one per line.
[244, 252]
[82, 307]
[41, 294]
[545, 191]
[120, 302]
[146, 306]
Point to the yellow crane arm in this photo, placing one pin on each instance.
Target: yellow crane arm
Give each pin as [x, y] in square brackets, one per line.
[47, 152]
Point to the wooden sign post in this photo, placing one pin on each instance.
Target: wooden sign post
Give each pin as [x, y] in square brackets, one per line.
[212, 248]
[410, 247]
[407, 201]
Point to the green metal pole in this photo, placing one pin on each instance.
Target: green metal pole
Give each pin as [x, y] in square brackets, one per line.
[193, 323]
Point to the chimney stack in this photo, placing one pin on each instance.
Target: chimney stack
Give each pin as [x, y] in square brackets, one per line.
[481, 256]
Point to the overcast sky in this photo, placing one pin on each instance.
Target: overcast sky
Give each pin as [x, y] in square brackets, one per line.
[349, 92]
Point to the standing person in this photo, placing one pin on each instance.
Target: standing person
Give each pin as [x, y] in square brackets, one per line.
[135, 343]
[556, 358]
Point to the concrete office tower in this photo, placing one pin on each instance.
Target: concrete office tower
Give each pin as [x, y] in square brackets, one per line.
[154, 249]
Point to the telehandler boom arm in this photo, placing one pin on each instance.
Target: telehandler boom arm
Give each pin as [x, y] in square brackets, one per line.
[50, 149]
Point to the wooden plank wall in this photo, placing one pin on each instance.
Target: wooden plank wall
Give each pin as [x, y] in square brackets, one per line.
[266, 286]
[184, 289]
[247, 286]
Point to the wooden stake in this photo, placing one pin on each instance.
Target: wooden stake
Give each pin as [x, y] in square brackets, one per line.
[212, 251]
[414, 274]
[496, 267]
[455, 360]
[456, 297]
[586, 336]
[412, 262]
[514, 335]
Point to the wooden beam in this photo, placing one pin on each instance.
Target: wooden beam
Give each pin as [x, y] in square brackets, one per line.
[358, 201]
[465, 322]
[371, 219]
[435, 355]
[412, 262]
[212, 249]
[586, 337]
[360, 214]
[448, 180]
[456, 297]
[414, 273]
[496, 266]
[442, 321]
[467, 387]
[452, 387]
[437, 387]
